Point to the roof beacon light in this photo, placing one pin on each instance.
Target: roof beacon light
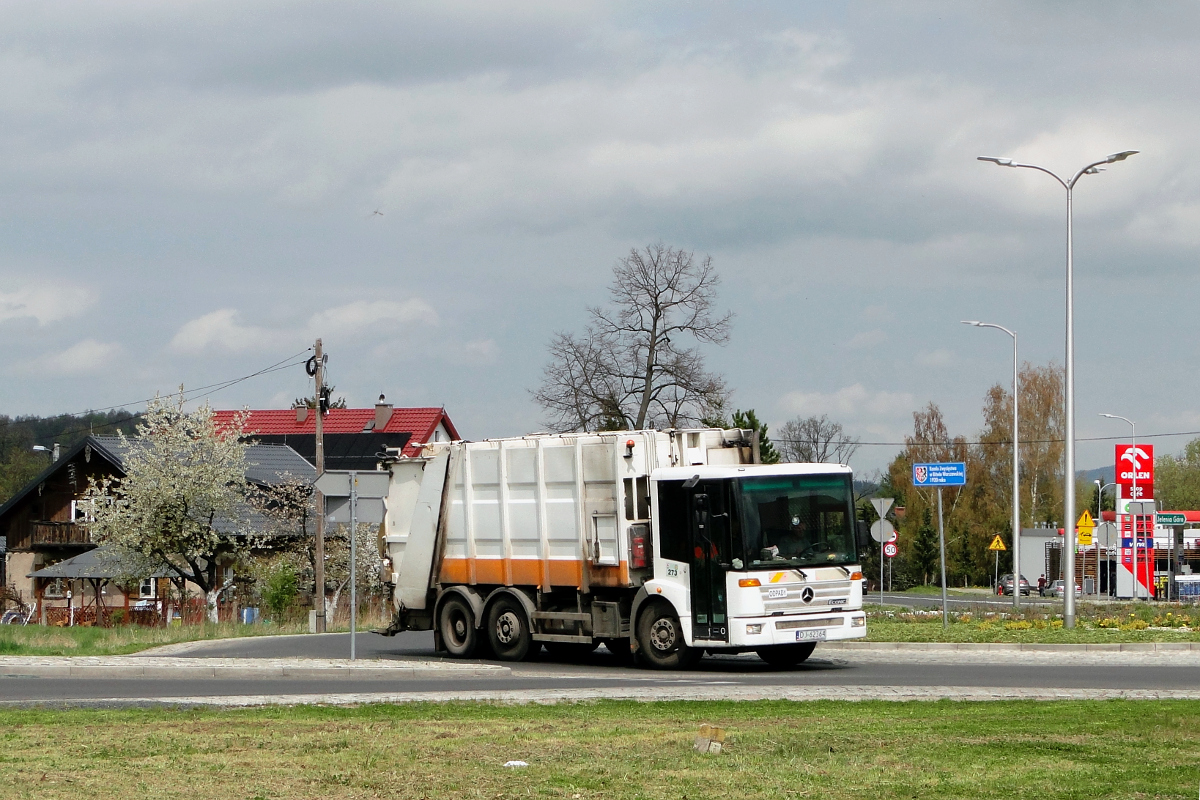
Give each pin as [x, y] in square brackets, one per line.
[629, 443]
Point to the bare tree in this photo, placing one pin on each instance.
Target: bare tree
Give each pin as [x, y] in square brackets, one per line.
[633, 367]
[816, 440]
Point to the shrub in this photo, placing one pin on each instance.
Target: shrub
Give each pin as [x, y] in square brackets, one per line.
[1018, 625]
[280, 591]
[117, 616]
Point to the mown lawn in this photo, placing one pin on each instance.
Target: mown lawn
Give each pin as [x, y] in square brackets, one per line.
[611, 750]
[1095, 624]
[39, 640]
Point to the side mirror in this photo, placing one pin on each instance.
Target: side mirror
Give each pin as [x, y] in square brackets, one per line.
[863, 531]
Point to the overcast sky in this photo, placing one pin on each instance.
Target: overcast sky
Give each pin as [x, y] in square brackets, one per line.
[187, 194]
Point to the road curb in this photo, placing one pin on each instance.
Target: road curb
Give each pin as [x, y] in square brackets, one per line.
[227, 669]
[986, 647]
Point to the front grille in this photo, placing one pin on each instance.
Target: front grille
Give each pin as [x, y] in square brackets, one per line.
[825, 593]
[825, 622]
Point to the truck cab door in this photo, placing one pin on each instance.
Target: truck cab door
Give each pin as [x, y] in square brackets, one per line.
[710, 558]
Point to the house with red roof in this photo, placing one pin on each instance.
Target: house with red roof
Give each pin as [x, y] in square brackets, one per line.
[354, 438]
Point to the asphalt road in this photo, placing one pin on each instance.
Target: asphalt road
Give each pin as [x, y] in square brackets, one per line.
[957, 602]
[599, 671]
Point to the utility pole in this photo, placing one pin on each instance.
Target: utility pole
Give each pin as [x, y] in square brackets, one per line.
[319, 555]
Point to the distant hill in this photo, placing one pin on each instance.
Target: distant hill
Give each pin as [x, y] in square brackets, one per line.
[20, 463]
[1107, 474]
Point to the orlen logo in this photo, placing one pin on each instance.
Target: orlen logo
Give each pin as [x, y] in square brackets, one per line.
[1139, 460]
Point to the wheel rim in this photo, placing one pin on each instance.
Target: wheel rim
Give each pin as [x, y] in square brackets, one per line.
[458, 627]
[662, 634]
[508, 627]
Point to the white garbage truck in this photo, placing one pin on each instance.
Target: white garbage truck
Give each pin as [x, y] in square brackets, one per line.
[661, 545]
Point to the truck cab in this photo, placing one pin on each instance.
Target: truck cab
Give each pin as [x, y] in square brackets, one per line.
[750, 557]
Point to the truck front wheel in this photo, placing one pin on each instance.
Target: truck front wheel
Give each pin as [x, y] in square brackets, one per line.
[508, 630]
[660, 639]
[456, 623]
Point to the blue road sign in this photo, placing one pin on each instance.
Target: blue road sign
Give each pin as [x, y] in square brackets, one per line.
[952, 473]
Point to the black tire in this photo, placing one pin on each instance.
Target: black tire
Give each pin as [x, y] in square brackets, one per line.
[456, 624]
[508, 630]
[660, 639]
[786, 655]
[570, 651]
[621, 650]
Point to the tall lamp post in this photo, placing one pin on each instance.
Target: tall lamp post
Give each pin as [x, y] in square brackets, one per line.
[1137, 578]
[1016, 493]
[1069, 400]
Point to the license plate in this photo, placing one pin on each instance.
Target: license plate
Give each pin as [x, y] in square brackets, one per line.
[773, 594]
[817, 634]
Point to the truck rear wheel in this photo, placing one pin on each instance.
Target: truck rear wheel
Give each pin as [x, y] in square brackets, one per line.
[508, 630]
[456, 624]
[786, 655]
[660, 639]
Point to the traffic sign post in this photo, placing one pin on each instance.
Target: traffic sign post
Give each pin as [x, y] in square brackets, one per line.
[354, 486]
[950, 473]
[882, 531]
[890, 550]
[997, 547]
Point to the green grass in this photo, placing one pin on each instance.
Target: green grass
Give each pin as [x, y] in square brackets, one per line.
[38, 640]
[1095, 624]
[610, 750]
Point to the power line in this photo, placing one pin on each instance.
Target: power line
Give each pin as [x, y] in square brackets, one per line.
[190, 394]
[1005, 442]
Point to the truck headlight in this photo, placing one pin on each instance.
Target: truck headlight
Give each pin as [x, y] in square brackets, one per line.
[858, 622]
[754, 629]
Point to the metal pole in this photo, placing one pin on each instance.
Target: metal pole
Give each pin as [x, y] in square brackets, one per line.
[942, 549]
[881, 545]
[1069, 493]
[1016, 489]
[318, 498]
[353, 559]
[1137, 581]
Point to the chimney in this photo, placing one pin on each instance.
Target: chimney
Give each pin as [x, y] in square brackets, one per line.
[383, 414]
[56, 452]
[301, 413]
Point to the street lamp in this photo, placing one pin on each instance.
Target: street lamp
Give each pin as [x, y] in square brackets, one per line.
[1069, 400]
[1016, 495]
[1133, 518]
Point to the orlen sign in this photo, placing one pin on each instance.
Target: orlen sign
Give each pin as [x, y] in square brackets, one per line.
[1139, 459]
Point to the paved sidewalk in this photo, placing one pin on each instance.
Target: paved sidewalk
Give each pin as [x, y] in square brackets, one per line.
[659, 693]
[190, 668]
[1113, 647]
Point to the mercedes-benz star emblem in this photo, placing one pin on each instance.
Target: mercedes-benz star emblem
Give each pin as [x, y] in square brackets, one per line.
[807, 594]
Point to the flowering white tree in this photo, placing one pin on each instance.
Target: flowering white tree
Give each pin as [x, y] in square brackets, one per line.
[181, 506]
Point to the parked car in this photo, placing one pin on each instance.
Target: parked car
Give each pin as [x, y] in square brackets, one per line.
[1006, 585]
[1057, 589]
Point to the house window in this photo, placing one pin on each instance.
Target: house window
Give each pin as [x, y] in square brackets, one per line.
[148, 589]
[55, 588]
[83, 511]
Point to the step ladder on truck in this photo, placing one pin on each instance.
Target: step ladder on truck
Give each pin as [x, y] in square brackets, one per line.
[662, 545]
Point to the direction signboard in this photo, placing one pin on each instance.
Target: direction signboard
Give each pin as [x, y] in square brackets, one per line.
[336, 483]
[1170, 519]
[890, 550]
[950, 473]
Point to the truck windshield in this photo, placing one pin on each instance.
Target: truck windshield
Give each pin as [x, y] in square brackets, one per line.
[797, 521]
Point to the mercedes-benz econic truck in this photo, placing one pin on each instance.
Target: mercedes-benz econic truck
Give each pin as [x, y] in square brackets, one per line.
[661, 545]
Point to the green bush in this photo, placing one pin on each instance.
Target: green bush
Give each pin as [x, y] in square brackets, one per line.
[280, 591]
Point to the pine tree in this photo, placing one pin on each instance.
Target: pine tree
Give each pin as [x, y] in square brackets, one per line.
[925, 547]
[748, 419]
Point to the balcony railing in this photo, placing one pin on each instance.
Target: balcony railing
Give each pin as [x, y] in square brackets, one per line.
[57, 533]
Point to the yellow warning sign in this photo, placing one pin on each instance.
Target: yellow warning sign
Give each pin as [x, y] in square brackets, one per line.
[997, 543]
[1084, 527]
